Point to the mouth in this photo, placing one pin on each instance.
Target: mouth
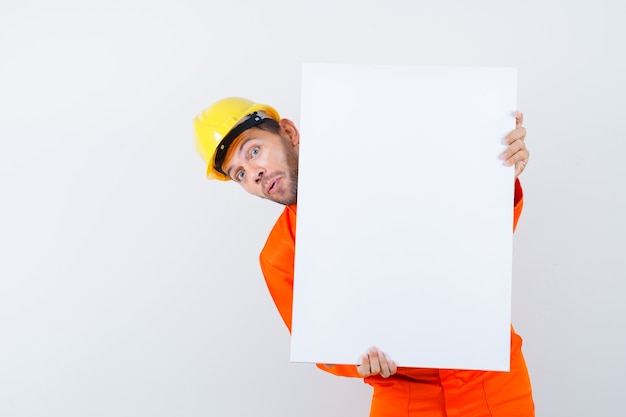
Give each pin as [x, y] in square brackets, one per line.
[272, 186]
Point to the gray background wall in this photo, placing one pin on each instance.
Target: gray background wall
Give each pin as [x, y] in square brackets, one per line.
[129, 284]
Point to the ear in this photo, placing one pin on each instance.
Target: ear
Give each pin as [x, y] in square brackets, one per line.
[290, 130]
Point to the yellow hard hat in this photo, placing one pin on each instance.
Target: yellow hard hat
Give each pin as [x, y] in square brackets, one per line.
[218, 125]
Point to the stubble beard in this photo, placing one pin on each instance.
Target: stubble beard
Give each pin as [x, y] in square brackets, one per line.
[291, 160]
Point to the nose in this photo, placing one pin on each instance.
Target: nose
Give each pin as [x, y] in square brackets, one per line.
[257, 172]
[259, 175]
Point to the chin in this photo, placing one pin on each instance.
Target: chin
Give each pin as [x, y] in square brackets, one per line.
[286, 200]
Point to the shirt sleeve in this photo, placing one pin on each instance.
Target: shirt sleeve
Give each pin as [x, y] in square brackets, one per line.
[518, 203]
[277, 264]
[340, 370]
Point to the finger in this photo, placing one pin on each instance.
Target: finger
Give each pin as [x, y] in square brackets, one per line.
[374, 361]
[517, 157]
[385, 372]
[519, 168]
[364, 366]
[514, 148]
[393, 367]
[517, 134]
[519, 118]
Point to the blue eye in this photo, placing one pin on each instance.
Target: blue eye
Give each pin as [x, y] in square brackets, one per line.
[254, 151]
[239, 176]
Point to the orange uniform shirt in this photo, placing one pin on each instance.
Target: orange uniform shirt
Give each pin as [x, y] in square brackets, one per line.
[411, 391]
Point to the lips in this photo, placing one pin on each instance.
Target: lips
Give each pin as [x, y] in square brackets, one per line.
[272, 185]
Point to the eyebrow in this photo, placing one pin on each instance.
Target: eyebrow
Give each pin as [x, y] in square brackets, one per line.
[238, 151]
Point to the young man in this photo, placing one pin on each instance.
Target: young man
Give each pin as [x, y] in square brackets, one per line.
[250, 144]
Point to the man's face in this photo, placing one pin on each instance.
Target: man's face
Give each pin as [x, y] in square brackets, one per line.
[265, 164]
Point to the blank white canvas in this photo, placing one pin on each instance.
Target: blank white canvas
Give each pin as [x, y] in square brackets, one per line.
[404, 230]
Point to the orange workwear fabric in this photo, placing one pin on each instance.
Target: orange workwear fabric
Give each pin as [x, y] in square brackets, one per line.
[411, 391]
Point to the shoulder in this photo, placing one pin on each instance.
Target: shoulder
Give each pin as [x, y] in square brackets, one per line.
[281, 240]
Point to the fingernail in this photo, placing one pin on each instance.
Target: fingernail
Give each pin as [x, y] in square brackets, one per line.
[507, 163]
[504, 155]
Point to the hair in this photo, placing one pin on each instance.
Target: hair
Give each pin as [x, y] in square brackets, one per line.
[269, 125]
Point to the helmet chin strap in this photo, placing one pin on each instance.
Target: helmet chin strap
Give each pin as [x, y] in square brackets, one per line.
[251, 121]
